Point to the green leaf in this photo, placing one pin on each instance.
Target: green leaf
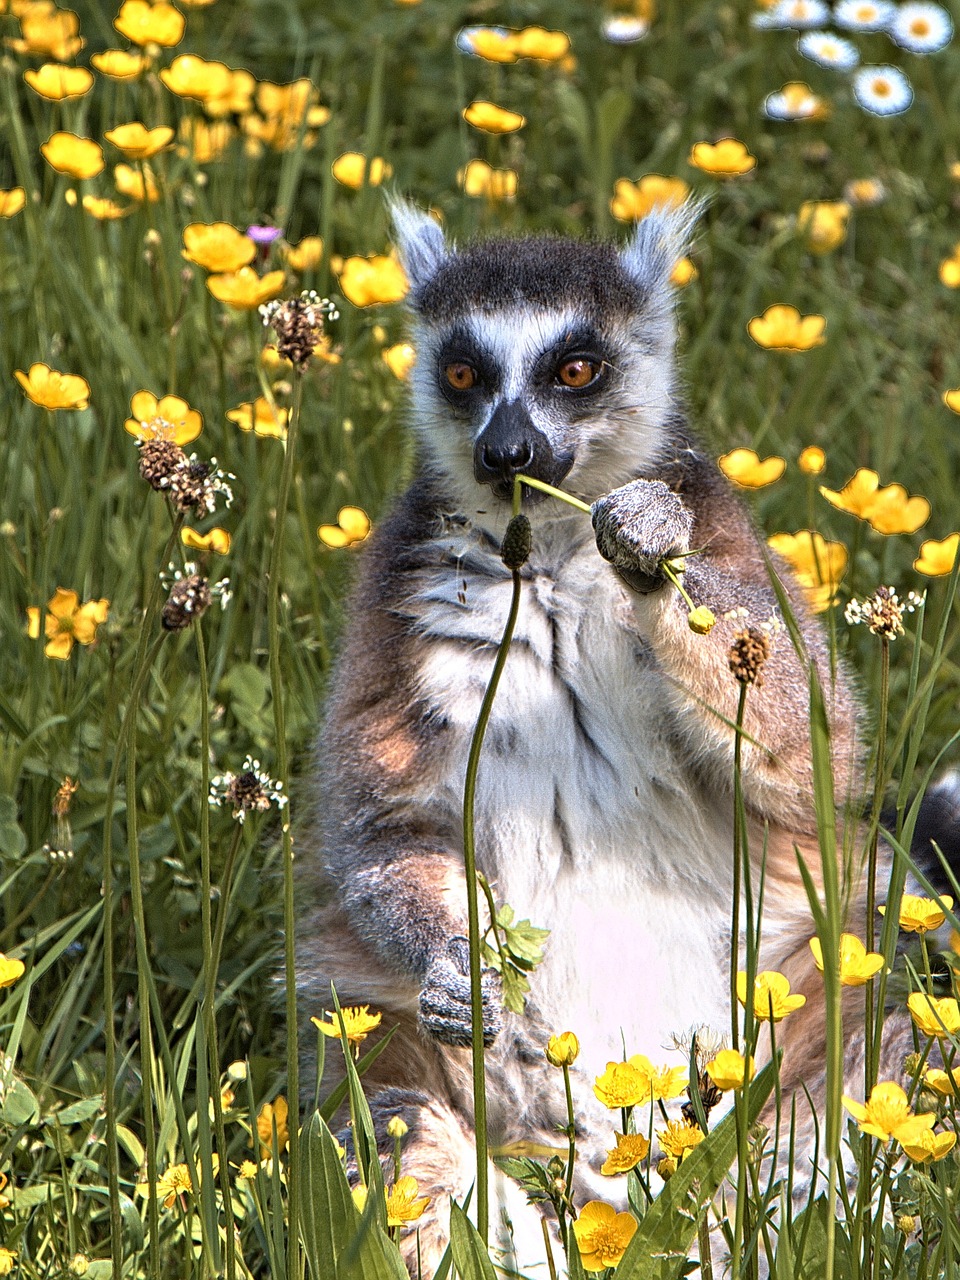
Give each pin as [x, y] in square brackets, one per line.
[76, 1112]
[19, 1106]
[336, 1243]
[469, 1254]
[13, 842]
[664, 1236]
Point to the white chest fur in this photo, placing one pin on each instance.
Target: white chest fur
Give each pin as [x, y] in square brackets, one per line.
[590, 821]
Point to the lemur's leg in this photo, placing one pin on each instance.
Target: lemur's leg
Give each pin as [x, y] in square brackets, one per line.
[438, 1150]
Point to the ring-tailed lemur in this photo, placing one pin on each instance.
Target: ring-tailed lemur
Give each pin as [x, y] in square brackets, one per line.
[604, 803]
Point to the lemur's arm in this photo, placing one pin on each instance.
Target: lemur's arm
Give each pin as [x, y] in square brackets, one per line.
[691, 507]
[393, 845]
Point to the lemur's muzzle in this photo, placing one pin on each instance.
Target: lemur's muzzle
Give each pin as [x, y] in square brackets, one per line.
[510, 445]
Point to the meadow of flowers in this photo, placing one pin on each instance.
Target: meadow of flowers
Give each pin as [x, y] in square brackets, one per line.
[202, 369]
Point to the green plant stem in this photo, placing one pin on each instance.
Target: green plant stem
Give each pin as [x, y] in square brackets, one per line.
[742, 1100]
[554, 493]
[571, 1146]
[473, 913]
[289, 914]
[211, 959]
[143, 660]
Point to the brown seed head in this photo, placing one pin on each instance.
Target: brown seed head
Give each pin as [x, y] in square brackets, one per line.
[189, 598]
[160, 462]
[515, 549]
[748, 653]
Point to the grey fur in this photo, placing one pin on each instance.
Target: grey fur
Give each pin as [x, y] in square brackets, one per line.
[604, 798]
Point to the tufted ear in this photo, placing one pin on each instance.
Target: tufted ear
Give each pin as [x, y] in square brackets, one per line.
[420, 242]
[658, 242]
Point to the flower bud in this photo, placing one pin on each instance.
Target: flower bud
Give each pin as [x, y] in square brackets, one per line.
[397, 1128]
[701, 620]
[562, 1050]
[515, 549]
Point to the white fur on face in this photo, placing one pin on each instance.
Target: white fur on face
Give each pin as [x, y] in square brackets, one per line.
[610, 447]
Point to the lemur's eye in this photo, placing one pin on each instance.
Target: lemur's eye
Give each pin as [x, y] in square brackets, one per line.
[461, 376]
[578, 372]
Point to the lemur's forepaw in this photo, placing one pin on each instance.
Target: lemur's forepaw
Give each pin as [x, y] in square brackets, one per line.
[445, 998]
[640, 525]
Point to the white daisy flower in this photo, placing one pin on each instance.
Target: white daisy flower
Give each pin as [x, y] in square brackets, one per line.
[921, 28]
[796, 15]
[883, 91]
[795, 101]
[863, 15]
[829, 50]
[624, 29]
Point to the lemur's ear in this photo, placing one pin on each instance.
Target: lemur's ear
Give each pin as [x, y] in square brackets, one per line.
[419, 240]
[658, 242]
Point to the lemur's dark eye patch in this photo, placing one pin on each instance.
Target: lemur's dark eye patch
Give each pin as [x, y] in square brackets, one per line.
[460, 375]
[578, 371]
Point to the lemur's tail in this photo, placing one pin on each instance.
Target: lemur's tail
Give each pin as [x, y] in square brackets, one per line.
[938, 823]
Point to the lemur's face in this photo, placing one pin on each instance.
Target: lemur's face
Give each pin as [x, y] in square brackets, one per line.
[538, 357]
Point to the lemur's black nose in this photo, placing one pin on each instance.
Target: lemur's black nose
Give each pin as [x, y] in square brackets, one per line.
[507, 445]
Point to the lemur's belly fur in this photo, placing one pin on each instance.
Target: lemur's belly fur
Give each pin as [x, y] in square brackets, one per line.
[590, 821]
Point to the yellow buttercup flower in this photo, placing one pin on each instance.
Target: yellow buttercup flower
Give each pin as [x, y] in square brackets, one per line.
[491, 43]
[745, 468]
[137, 142]
[11, 971]
[563, 1049]
[701, 620]
[52, 390]
[306, 255]
[817, 564]
[67, 622]
[478, 179]
[812, 460]
[367, 282]
[683, 272]
[358, 1022]
[622, 1084]
[771, 996]
[602, 1235]
[949, 270]
[728, 1068]
[237, 99]
[169, 418]
[12, 201]
[273, 1114]
[934, 1016]
[191, 77]
[938, 558]
[119, 64]
[680, 1138]
[925, 1147]
[403, 1204]
[490, 118]
[399, 359]
[543, 45]
[261, 417]
[204, 142]
[139, 184]
[783, 328]
[918, 915]
[946, 1083]
[887, 509]
[823, 224]
[857, 965]
[727, 158]
[244, 289]
[887, 1113]
[634, 200]
[353, 169]
[48, 31]
[217, 246]
[247, 1169]
[105, 210]
[8, 1259]
[663, 1082]
[631, 1148]
[353, 525]
[951, 399]
[217, 540]
[57, 82]
[77, 157]
[145, 23]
